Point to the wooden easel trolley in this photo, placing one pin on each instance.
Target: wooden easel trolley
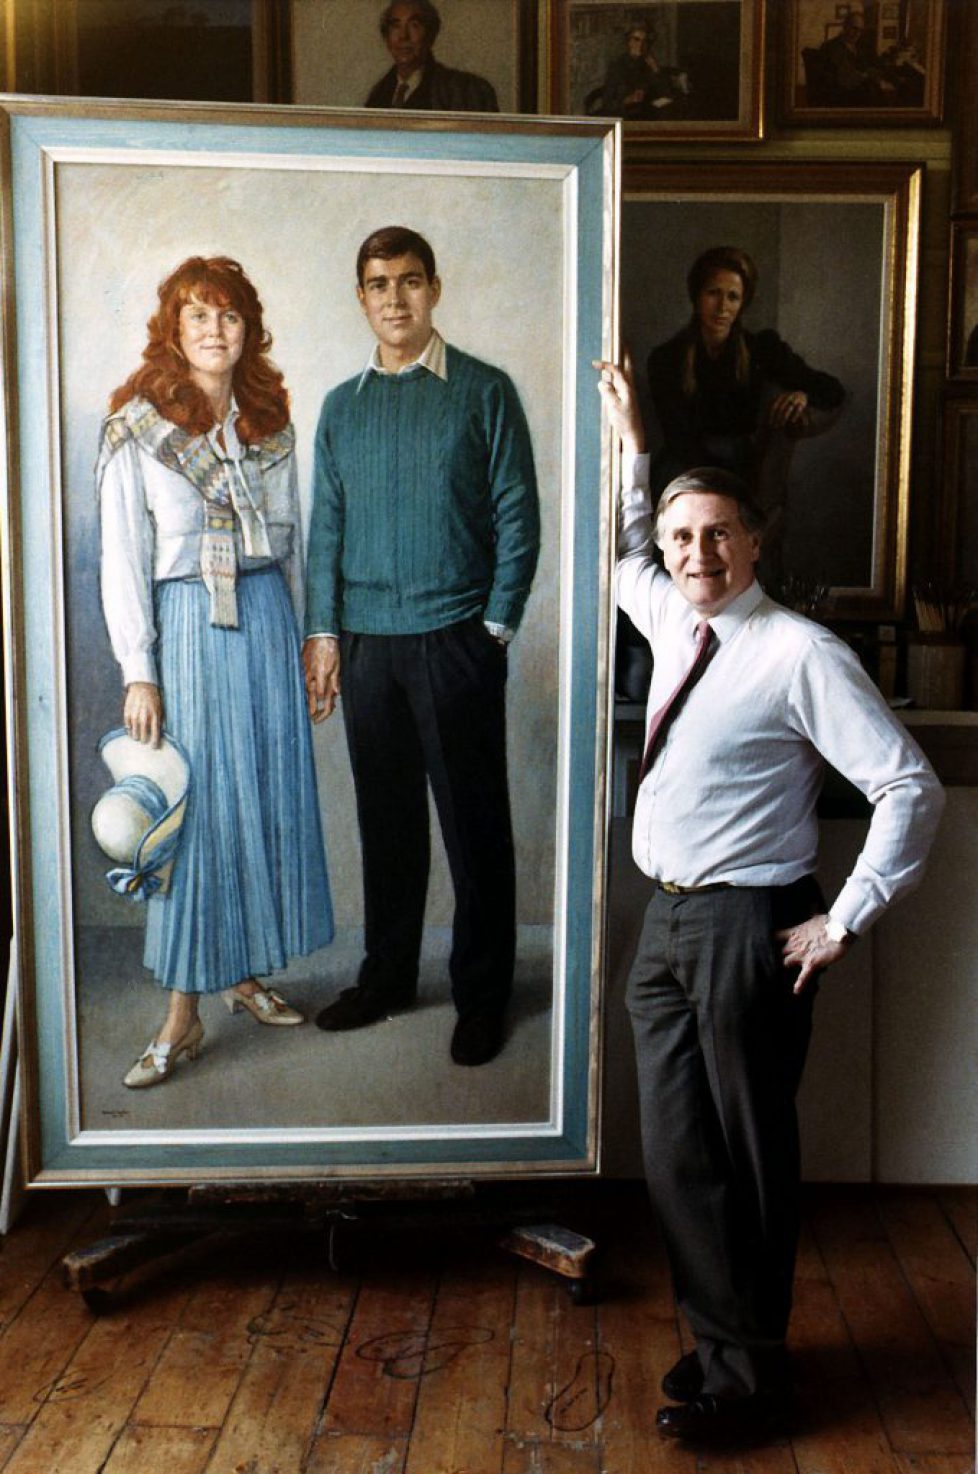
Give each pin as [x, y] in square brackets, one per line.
[164, 1230]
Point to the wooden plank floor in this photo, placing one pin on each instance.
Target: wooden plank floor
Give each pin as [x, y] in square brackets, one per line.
[439, 1354]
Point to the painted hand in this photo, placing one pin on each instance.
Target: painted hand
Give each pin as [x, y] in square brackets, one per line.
[142, 712]
[321, 665]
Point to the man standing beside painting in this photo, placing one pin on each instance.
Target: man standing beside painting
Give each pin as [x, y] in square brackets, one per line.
[749, 702]
[422, 548]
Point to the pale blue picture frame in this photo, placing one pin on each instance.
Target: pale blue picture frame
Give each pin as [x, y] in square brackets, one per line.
[47, 698]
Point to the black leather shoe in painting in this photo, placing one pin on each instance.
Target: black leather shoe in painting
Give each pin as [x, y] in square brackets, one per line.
[356, 1007]
[478, 1036]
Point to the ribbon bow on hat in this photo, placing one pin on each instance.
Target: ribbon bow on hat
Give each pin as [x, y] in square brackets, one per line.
[137, 821]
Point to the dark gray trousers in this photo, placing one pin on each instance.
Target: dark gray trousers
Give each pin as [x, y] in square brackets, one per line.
[720, 1043]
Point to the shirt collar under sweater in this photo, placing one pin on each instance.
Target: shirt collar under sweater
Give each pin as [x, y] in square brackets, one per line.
[434, 359]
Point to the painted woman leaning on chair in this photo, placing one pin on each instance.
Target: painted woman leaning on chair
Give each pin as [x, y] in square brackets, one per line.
[201, 549]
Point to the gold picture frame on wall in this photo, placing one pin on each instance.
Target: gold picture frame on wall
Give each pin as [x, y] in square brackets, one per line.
[672, 71]
[857, 65]
[839, 495]
[100, 202]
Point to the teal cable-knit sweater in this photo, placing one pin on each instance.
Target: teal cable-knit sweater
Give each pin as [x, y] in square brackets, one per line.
[425, 506]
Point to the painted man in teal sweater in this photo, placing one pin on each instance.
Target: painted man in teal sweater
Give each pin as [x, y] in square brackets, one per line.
[422, 548]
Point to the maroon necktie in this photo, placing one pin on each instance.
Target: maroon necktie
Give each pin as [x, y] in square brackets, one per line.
[669, 710]
[400, 93]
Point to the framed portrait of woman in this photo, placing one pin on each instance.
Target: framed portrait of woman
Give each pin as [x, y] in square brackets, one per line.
[728, 337]
[856, 64]
[678, 70]
[183, 288]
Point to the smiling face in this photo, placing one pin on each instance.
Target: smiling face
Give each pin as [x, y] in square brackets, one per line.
[398, 299]
[407, 38]
[212, 338]
[707, 549]
[718, 305]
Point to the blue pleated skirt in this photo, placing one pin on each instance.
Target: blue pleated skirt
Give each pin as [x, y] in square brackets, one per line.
[249, 887]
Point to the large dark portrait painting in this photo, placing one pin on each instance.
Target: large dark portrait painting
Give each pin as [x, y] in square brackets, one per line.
[809, 397]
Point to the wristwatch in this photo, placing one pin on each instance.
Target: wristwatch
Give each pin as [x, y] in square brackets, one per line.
[835, 931]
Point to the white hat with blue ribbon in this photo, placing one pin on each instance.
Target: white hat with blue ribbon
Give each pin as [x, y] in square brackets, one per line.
[137, 822]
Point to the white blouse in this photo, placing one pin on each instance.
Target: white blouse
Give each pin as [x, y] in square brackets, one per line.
[152, 520]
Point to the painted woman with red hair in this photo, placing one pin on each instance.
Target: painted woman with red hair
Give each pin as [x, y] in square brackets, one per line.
[201, 549]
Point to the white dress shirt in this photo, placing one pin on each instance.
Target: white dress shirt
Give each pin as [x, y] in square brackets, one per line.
[152, 521]
[732, 792]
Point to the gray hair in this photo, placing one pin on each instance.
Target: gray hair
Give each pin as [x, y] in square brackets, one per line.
[715, 481]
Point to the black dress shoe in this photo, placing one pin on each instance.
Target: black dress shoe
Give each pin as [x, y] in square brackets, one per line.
[358, 1006]
[710, 1418]
[478, 1036]
[684, 1381]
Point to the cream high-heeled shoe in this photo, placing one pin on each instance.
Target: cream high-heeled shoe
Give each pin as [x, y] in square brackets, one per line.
[267, 1006]
[156, 1065]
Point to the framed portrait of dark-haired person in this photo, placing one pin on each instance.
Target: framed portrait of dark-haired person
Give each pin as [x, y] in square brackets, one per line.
[834, 485]
[854, 64]
[683, 69]
[415, 55]
[185, 289]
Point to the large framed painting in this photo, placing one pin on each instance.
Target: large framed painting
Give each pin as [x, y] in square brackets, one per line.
[676, 69]
[854, 64]
[823, 259]
[101, 204]
[464, 56]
